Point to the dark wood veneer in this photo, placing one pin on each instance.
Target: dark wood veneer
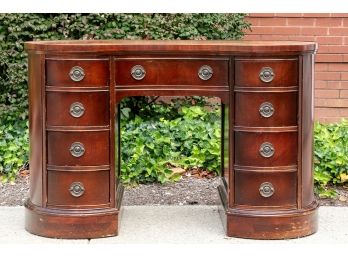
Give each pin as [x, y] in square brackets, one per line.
[285, 70]
[247, 184]
[96, 72]
[248, 109]
[59, 103]
[174, 72]
[248, 145]
[96, 144]
[54, 210]
[96, 185]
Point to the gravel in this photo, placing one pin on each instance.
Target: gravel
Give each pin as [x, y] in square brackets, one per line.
[187, 191]
[14, 194]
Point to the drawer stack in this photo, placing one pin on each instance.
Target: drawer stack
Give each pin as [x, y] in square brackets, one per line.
[265, 134]
[78, 133]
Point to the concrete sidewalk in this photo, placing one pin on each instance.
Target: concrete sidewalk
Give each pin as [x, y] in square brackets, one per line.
[175, 224]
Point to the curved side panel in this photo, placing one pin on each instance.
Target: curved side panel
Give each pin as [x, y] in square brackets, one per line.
[71, 224]
[36, 127]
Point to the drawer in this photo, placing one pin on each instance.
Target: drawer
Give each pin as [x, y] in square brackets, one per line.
[265, 149]
[266, 109]
[266, 72]
[268, 189]
[203, 72]
[77, 109]
[77, 72]
[78, 189]
[78, 148]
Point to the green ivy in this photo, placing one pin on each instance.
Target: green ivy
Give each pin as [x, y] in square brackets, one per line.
[151, 146]
[330, 155]
[13, 148]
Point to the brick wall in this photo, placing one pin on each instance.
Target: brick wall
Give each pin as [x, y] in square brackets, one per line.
[330, 31]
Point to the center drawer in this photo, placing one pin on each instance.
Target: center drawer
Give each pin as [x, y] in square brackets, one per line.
[202, 72]
[75, 148]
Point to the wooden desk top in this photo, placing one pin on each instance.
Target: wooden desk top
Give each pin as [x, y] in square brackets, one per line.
[161, 46]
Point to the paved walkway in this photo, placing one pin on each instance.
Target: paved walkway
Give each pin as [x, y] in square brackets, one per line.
[175, 224]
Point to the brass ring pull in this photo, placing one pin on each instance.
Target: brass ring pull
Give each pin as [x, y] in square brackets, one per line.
[77, 73]
[266, 109]
[77, 189]
[266, 150]
[266, 189]
[77, 149]
[138, 72]
[77, 109]
[266, 74]
[205, 72]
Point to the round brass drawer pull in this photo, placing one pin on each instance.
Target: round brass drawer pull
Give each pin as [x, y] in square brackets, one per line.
[77, 189]
[77, 149]
[205, 72]
[266, 109]
[266, 150]
[266, 189]
[77, 73]
[138, 72]
[266, 74]
[77, 109]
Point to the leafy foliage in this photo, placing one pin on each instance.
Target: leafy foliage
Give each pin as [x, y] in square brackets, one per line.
[151, 146]
[15, 29]
[330, 155]
[13, 147]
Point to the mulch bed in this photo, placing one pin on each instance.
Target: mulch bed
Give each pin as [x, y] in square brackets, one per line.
[340, 200]
[190, 190]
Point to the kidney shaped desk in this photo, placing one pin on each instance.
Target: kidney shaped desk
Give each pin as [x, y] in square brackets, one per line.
[266, 90]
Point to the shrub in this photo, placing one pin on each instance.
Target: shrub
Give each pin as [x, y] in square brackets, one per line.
[15, 29]
[330, 155]
[151, 146]
[13, 147]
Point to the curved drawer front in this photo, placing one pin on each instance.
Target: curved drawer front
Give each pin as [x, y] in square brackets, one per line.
[265, 189]
[265, 109]
[78, 189]
[266, 72]
[172, 72]
[265, 149]
[77, 108]
[77, 72]
[78, 148]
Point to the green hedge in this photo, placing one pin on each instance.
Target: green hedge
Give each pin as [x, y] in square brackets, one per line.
[186, 137]
[330, 155]
[15, 29]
